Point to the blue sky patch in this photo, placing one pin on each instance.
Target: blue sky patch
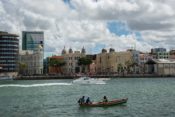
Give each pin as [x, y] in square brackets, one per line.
[98, 48]
[118, 28]
[138, 36]
[68, 2]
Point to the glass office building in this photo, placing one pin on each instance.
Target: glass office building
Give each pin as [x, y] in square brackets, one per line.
[9, 51]
[31, 40]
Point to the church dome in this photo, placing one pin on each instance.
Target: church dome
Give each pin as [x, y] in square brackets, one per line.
[83, 50]
[111, 50]
[64, 51]
[104, 50]
[70, 50]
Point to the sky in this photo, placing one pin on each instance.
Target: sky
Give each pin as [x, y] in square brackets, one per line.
[94, 24]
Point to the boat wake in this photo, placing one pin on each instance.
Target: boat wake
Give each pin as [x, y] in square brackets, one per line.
[34, 85]
[88, 80]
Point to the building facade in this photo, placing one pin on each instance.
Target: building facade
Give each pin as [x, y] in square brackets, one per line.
[31, 62]
[110, 62]
[31, 40]
[172, 54]
[56, 69]
[144, 57]
[164, 67]
[9, 51]
[92, 66]
[160, 53]
[71, 59]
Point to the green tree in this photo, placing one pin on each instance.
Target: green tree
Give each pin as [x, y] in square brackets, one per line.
[128, 66]
[119, 68]
[22, 68]
[58, 64]
[84, 61]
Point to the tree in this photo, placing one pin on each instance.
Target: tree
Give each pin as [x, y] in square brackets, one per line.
[119, 68]
[134, 65]
[84, 61]
[58, 64]
[22, 68]
[128, 66]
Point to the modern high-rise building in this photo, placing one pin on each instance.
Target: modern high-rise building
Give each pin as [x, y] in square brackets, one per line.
[31, 40]
[9, 49]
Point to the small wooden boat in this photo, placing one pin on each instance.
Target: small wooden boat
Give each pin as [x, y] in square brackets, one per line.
[105, 104]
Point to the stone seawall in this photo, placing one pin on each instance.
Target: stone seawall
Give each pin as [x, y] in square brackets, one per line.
[47, 77]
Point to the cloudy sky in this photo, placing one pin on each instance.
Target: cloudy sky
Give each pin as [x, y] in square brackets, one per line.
[94, 24]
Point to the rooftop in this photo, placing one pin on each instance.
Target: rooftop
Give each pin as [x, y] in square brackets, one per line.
[7, 34]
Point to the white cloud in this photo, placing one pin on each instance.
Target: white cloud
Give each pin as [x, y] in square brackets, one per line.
[85, 24]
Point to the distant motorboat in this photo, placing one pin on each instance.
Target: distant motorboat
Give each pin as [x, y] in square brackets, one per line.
[88, 80]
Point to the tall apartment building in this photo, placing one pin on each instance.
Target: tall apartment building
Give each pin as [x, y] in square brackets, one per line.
[9, 49]
[33, 51]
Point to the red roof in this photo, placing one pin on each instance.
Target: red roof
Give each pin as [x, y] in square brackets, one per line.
[57, 57]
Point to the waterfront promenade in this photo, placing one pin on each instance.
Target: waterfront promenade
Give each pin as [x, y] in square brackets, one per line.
[47, 77]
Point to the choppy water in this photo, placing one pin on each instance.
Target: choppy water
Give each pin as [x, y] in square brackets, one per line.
[58, 98]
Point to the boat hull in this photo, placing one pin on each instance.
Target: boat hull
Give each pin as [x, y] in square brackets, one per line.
[88, 80]
[106, 104]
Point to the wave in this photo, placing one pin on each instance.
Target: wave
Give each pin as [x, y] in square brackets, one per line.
[34, 85]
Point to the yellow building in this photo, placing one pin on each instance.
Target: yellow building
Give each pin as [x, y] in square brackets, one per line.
[71, 58]
[109, 62]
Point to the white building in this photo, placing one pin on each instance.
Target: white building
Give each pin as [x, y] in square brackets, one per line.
[161, 66]
[31, 62]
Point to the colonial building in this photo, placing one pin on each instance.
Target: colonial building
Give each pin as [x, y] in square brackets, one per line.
[31, 62]
[9, 51]
[71, 59]
[109, 62]
[161, 66]
[92, 66]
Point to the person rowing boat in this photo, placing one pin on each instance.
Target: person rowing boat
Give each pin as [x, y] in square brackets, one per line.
[104, 104]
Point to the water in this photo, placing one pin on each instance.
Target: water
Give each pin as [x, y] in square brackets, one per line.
[58, 98]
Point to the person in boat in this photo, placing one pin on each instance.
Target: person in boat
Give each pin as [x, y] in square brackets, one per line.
[88, 101]
[105, 99]
[81, 100]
